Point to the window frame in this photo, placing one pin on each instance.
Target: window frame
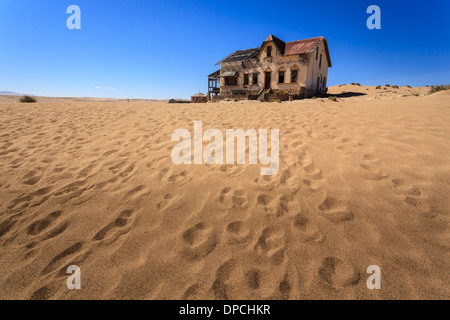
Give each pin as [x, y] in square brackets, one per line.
[279, 76]
[269, 51]
[246, 79]
[296, 75]
[255, 77]
[232, 83]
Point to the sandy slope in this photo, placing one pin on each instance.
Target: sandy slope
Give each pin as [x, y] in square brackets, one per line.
[362, 181]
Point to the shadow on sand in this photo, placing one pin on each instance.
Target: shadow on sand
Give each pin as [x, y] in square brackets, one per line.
[347, 94]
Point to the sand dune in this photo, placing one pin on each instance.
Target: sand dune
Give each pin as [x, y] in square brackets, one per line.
[362, 181]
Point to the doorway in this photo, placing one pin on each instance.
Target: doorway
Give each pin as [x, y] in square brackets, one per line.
[267, 79]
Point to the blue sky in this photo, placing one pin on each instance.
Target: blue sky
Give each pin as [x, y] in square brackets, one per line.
[165, 49]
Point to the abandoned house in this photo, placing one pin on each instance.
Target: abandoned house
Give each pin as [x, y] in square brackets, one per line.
[297, 69]
[199, 97]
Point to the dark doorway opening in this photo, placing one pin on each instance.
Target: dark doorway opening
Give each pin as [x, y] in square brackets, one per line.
[267, 79]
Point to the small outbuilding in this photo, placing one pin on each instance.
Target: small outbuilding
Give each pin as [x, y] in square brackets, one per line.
[199, 97]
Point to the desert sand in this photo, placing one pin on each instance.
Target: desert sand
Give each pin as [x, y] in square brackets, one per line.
[364, 180]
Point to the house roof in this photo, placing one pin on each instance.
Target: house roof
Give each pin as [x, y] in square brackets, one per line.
[215, 74]
[285, 48]
[199, 95]
[241, 55]
[306, 46]
[301, 46]
[229, 74]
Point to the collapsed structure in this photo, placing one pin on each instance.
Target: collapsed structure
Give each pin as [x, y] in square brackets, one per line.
[289, 70]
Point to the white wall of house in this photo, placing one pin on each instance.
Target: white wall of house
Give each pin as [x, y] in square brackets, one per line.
[317, 69]
[278, 63]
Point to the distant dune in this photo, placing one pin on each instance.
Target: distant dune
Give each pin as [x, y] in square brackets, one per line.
[9, 93]
[363, 180]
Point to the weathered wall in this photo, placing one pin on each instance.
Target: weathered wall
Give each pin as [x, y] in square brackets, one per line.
[278, 63]
[315, 72]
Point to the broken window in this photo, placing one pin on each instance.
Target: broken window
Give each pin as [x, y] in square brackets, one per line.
[269, 51]
[317, 53]
[255, 78]
[281, 77]
[320, 62]
[294, 75]
[230, 81]
[245, 79]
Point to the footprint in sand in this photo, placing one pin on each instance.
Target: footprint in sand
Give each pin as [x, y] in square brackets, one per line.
[347, 145]
[307, 229]
[238, 232]
[27, 200]
[223, 274]
[31, 178]
[231, 170]
[405, 188]
[180, 179]
[192, 292]
[289, 178]
[59, 169]
[44, 293]
[423, 206]
[165, 202]
[56, 231]
[233, 199]
[327, 134]
[274, 206]
[314, 185]
[371, 172]
[162, 173]
[296, 144]
[285, 288]
[336, 211]
[125, 173]
[116, 168]
[271, 245]
[199, 241]
[6, 226]
[40, 225]
[265, 183]
[308, 167]
[135, 192]
[108, 153]
[71, 191]
[115, 229]
[371, 157]
[87, 170]
[253, 278]
[70, 251]
[338, 273]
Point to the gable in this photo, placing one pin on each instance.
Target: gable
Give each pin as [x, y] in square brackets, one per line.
[279, 44]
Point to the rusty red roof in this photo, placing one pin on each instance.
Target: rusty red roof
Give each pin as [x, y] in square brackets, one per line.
[301, 46]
